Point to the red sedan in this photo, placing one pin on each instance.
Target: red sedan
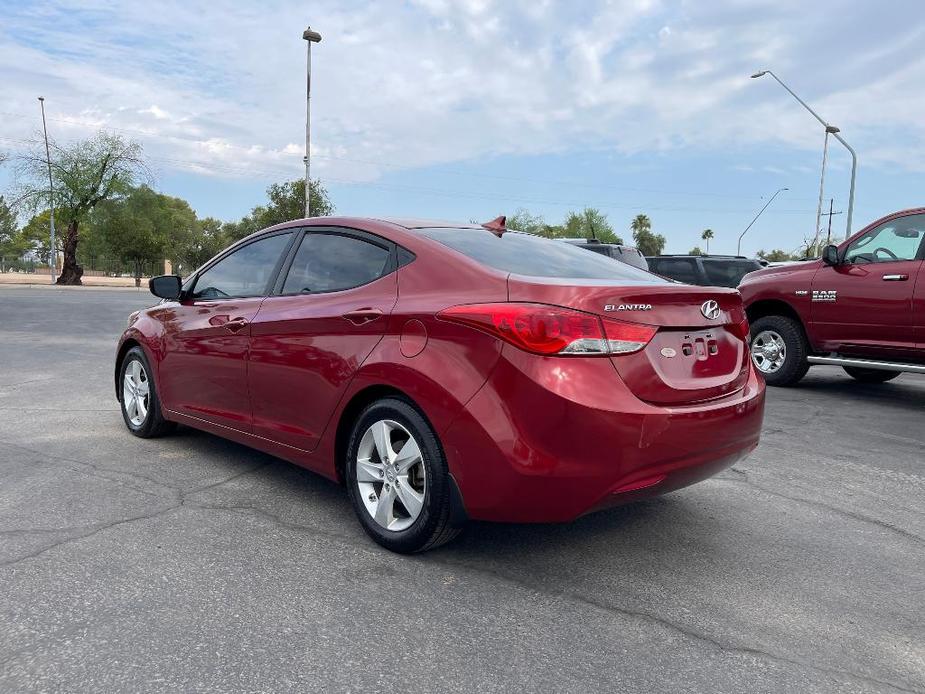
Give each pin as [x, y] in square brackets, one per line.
[448, 371]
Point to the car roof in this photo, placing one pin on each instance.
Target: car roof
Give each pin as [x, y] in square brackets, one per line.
[702, 255]
[419, 223]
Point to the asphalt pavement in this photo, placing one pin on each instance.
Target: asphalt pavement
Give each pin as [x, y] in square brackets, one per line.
[189, 563]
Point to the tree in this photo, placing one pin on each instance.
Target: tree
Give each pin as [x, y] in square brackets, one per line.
[286, 202]
[775, 256]
[209, 239]
[145, 227]
[695, 251]
[85, 174]
[12, 244]
[647, 242]
[522, 220]
[590, 223]
[706, 236]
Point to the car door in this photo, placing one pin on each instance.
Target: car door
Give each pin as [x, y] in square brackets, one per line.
[203, 373]
[863, 305]
[330, 309]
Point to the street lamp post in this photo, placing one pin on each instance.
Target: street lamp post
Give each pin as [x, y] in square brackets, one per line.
[829, 129]
[51, 195]
[739, 246]
[310, 38]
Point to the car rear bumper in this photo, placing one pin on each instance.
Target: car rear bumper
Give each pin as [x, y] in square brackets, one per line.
[550, 439]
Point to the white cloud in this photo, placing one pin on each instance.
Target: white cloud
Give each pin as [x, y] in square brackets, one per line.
[219, 88]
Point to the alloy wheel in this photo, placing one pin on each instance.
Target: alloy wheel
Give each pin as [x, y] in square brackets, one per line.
[769, 351]
[390, 475]
[136, 393]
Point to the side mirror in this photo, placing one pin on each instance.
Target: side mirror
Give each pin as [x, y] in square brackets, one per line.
[166, 286]
[830, 255]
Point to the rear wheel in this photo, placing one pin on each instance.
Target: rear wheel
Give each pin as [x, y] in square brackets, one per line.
[870, 375]
[779, 350]
[397, 478]
[141, 408]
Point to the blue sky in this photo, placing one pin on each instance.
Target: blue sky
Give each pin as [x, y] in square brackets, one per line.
[470, 109]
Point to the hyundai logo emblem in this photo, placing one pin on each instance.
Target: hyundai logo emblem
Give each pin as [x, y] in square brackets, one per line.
[710, 309]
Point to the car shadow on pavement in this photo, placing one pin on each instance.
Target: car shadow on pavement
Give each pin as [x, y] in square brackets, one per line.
[276, 486]
[905, 391]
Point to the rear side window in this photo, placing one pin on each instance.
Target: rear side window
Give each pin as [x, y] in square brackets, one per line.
[526, 254]
[244, 272]
[680, 269]
[727, 273]
[331, 262]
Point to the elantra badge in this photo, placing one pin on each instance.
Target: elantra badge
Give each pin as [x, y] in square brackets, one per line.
[710, 309]
[627, 307]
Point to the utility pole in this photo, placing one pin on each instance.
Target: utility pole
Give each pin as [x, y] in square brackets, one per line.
[310, 38]
[830, 214]
[51, 196]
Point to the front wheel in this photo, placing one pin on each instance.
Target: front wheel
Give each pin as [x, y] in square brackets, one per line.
[870, 375]
[141, 408]
[398, 480]
[779, 350]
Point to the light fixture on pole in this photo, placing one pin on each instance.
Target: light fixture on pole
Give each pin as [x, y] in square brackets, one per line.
[310, 38]
[829, 129]
[739, 246]
[53, 262]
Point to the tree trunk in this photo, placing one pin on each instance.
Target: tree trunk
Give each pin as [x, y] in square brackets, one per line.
[71, 272]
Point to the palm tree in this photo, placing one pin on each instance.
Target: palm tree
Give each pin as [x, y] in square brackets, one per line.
[706, 236]
[641, 223]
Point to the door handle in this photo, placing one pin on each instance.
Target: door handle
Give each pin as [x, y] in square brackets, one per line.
[361, 316]
[235, 324]
[895, 278]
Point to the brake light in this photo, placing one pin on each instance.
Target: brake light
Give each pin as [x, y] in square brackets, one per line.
[548, 330]
[623, 338]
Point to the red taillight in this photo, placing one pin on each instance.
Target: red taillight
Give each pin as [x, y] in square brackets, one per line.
[623, 338]
[544, 329]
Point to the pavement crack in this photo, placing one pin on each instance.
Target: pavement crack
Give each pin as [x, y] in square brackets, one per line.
[651, 618]
[98, 470]
[743, 478]
[89, 531]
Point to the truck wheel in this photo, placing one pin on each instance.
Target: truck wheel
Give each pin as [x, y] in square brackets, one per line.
[779, 350]
[870, 375]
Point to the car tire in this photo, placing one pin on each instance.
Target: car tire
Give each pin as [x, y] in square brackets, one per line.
[870, 375]
[788, 364]
[138, 400]
[379, 491]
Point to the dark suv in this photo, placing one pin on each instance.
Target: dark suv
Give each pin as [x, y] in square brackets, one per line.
[625, 254]
[705, 270]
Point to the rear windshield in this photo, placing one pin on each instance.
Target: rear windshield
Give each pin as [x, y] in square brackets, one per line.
[526, 254]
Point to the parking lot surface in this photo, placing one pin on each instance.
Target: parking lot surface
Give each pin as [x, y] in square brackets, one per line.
[189, 563]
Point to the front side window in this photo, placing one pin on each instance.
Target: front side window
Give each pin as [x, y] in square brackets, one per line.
[331, 262]
[526, 254]
[245, 272]
[898, 239]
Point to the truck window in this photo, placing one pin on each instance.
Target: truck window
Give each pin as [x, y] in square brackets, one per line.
[898, 239]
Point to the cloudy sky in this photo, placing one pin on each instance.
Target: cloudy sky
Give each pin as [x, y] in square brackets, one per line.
[468, 109]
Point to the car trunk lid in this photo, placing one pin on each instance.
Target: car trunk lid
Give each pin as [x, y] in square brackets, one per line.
[699, 351]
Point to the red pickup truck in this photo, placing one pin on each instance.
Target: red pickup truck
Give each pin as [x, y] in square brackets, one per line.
[861, 306]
